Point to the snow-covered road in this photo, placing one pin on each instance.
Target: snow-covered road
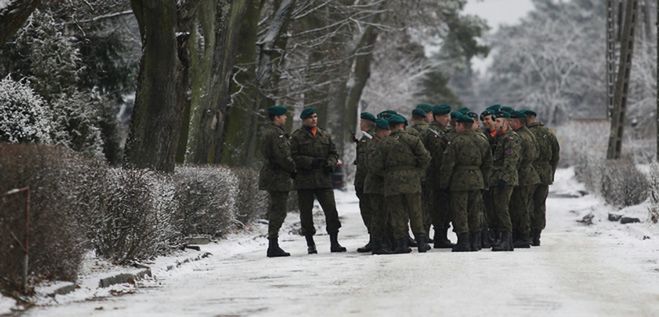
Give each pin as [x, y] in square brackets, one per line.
[601, 270]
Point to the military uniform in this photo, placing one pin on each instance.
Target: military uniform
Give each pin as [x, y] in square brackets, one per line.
[360, 176]
[275, 175]
[545, 165]
[315, 157]
[520, 203]
[374, 191]
[506, 157]
[402, 159]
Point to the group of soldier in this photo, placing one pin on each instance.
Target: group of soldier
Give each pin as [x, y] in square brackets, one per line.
[438, 169]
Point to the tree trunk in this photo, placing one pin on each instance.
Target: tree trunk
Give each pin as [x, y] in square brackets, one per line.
[610, 56]
[656, 115]
[622, 82]
[156, 121]
[13, 16]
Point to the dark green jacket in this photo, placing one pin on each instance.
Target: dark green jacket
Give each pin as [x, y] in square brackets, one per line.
[401, 159]
[435, 142]
[506, 159]
[304, 149]
[374, 182]
[361, 158]
[548, 155]
[465, 163]
[420, 127]
[529, 154]
[278, 165]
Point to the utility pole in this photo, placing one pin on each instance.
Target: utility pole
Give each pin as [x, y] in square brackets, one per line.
[622, 81]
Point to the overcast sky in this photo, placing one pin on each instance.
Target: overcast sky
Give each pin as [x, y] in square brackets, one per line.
[496, 13]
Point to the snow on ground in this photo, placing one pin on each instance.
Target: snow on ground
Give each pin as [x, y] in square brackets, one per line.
[6, 303]
[606, 269]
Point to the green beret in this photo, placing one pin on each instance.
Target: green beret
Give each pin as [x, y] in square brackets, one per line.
[382, 124]
[486, 113]
[418, 112]
[503, 114]
[386, 114]
[528, 112]
[464, 110]
[472, 115]
[506, 109]
[396, 119]
[368, 116]
[306, 113]
[464, 118]
[493, 108]
[425, 107]
[277, 110]
[441, 110]
[455, 114]
[518, 115]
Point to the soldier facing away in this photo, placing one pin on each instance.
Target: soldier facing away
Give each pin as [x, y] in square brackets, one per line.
[381, 234]
[316, 158]
[275, 175]
[367, 126]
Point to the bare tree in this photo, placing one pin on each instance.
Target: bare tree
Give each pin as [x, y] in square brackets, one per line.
[13, 15]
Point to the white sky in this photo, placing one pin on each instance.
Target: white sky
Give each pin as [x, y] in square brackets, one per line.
[496, 13]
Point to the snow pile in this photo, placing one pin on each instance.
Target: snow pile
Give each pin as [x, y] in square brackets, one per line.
[6, 303]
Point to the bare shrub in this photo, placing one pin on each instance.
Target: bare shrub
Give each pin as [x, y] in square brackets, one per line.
[623, 184]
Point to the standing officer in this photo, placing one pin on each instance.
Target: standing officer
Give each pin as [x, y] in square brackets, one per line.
[316, 158]
[419, 123]
[427, 108]
[367, 126]
[465, 166]
[504, 177]
[545, 165]
[276, 173]
[381, 235]
[520, 203]
[402, 159]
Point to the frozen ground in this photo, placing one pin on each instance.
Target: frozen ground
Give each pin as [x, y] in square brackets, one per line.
[605, 269]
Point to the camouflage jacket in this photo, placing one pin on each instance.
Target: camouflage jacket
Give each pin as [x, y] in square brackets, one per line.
[361, 161]
[506, 159]
[278, 165]
[548, 155]
[435, 141]
[420, 127]
[401, 159]
[304, 149]
[466, 162]
[529, 154]
[374, 181]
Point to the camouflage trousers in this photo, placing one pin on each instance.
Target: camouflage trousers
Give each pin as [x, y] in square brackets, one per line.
[520, 206]
[489, 217]
[501, 206]
[538, 216]
[276, 212]
[466, 211]
[325, 197]
[380, 219]
[402, 207]
[365, 208]
[428, 205]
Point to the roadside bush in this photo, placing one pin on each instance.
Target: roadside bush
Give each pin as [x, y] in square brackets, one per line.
[623, 184]
[24, 115]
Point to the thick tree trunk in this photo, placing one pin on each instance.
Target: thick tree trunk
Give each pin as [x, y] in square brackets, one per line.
[156, 121]
[13, 16]
[656, 115]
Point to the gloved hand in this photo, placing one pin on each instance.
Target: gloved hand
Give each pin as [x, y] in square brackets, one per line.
[317, 162]
[501, 183]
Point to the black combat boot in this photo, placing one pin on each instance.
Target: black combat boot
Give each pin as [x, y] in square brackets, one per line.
[522, 242]
[442, 241]
[463, 244]
[421, 243]
[485, 239]
[368, 247]
[535, 236]
[495, 237]
[411, 242]
[379, 247]
[505, 243]
[311, 245]
[334, 243]
[476, 241]
[402, 246]
[274, 250]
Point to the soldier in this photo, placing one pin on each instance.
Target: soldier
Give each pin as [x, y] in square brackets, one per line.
[316, 158]
[504, 178]
[435, 143]
[276, 173]
[520, 202]
[401, 159]
[367, 126]
[428, 110]
[489, 129]
[419, 123]
[381, 241]
[465, 166]
[545, 165]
